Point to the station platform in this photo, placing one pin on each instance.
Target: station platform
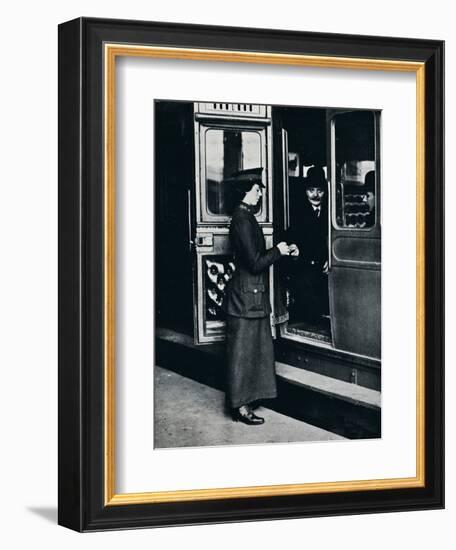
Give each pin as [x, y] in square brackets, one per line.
[322, 402]
[190, 414]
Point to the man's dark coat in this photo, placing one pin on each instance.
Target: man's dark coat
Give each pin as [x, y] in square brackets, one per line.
[307, 282]
[310, 233]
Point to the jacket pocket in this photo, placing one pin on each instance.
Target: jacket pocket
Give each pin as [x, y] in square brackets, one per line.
[253, 295]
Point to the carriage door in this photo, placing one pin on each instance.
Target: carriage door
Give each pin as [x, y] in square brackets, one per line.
[228, 138]
[355, 245]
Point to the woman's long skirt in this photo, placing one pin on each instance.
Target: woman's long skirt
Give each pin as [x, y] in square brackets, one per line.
[251, 370]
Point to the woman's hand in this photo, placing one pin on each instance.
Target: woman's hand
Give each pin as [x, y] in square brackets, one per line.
[284, 249]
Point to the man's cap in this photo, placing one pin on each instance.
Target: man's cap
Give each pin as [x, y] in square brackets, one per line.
[245, 179]
[315, 178]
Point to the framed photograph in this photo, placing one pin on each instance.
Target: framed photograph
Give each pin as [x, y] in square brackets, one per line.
[250, 274]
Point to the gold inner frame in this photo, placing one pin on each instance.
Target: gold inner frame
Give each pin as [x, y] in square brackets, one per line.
[111, 52]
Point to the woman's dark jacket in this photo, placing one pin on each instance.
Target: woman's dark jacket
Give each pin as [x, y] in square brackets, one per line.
[248, 291]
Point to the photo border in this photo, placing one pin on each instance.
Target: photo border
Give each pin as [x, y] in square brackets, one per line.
[88, 49]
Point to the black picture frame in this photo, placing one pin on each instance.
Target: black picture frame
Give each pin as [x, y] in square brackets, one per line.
[82, 502]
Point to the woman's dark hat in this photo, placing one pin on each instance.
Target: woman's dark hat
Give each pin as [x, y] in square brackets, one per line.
[315, 178]
[244, 180]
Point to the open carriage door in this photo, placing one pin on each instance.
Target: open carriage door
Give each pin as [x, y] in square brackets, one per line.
[355, 231]
[228, 137]
[281, 213]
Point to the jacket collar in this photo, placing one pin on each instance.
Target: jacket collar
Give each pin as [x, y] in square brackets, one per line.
[246, 207]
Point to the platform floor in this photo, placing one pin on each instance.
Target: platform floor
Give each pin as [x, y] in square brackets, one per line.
[190, 414]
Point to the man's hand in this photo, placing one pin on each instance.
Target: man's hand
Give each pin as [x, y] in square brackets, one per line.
[284, 249]
[326, 267]
[294, 250]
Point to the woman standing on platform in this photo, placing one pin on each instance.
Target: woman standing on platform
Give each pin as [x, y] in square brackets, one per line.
[251, 371]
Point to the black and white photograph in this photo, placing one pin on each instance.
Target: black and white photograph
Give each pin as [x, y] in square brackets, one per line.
[268, 274]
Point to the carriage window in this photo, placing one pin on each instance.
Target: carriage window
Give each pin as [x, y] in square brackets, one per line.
[355, 169]
[227, 152]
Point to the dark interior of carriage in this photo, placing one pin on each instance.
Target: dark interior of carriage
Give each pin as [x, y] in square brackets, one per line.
[306, 130]
[354, 142]
[174, 178]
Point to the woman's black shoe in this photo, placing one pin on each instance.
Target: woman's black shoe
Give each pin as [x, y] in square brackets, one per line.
[247, 416]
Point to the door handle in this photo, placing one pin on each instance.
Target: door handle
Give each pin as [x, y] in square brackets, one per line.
[204, 241]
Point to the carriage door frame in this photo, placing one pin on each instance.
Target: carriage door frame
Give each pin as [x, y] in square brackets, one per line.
[354, 248]
[209, 228]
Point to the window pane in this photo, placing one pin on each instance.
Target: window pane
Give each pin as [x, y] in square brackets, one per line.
[355, 169]
[227, 152]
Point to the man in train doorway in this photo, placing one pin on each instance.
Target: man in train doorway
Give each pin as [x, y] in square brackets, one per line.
[308, 273]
